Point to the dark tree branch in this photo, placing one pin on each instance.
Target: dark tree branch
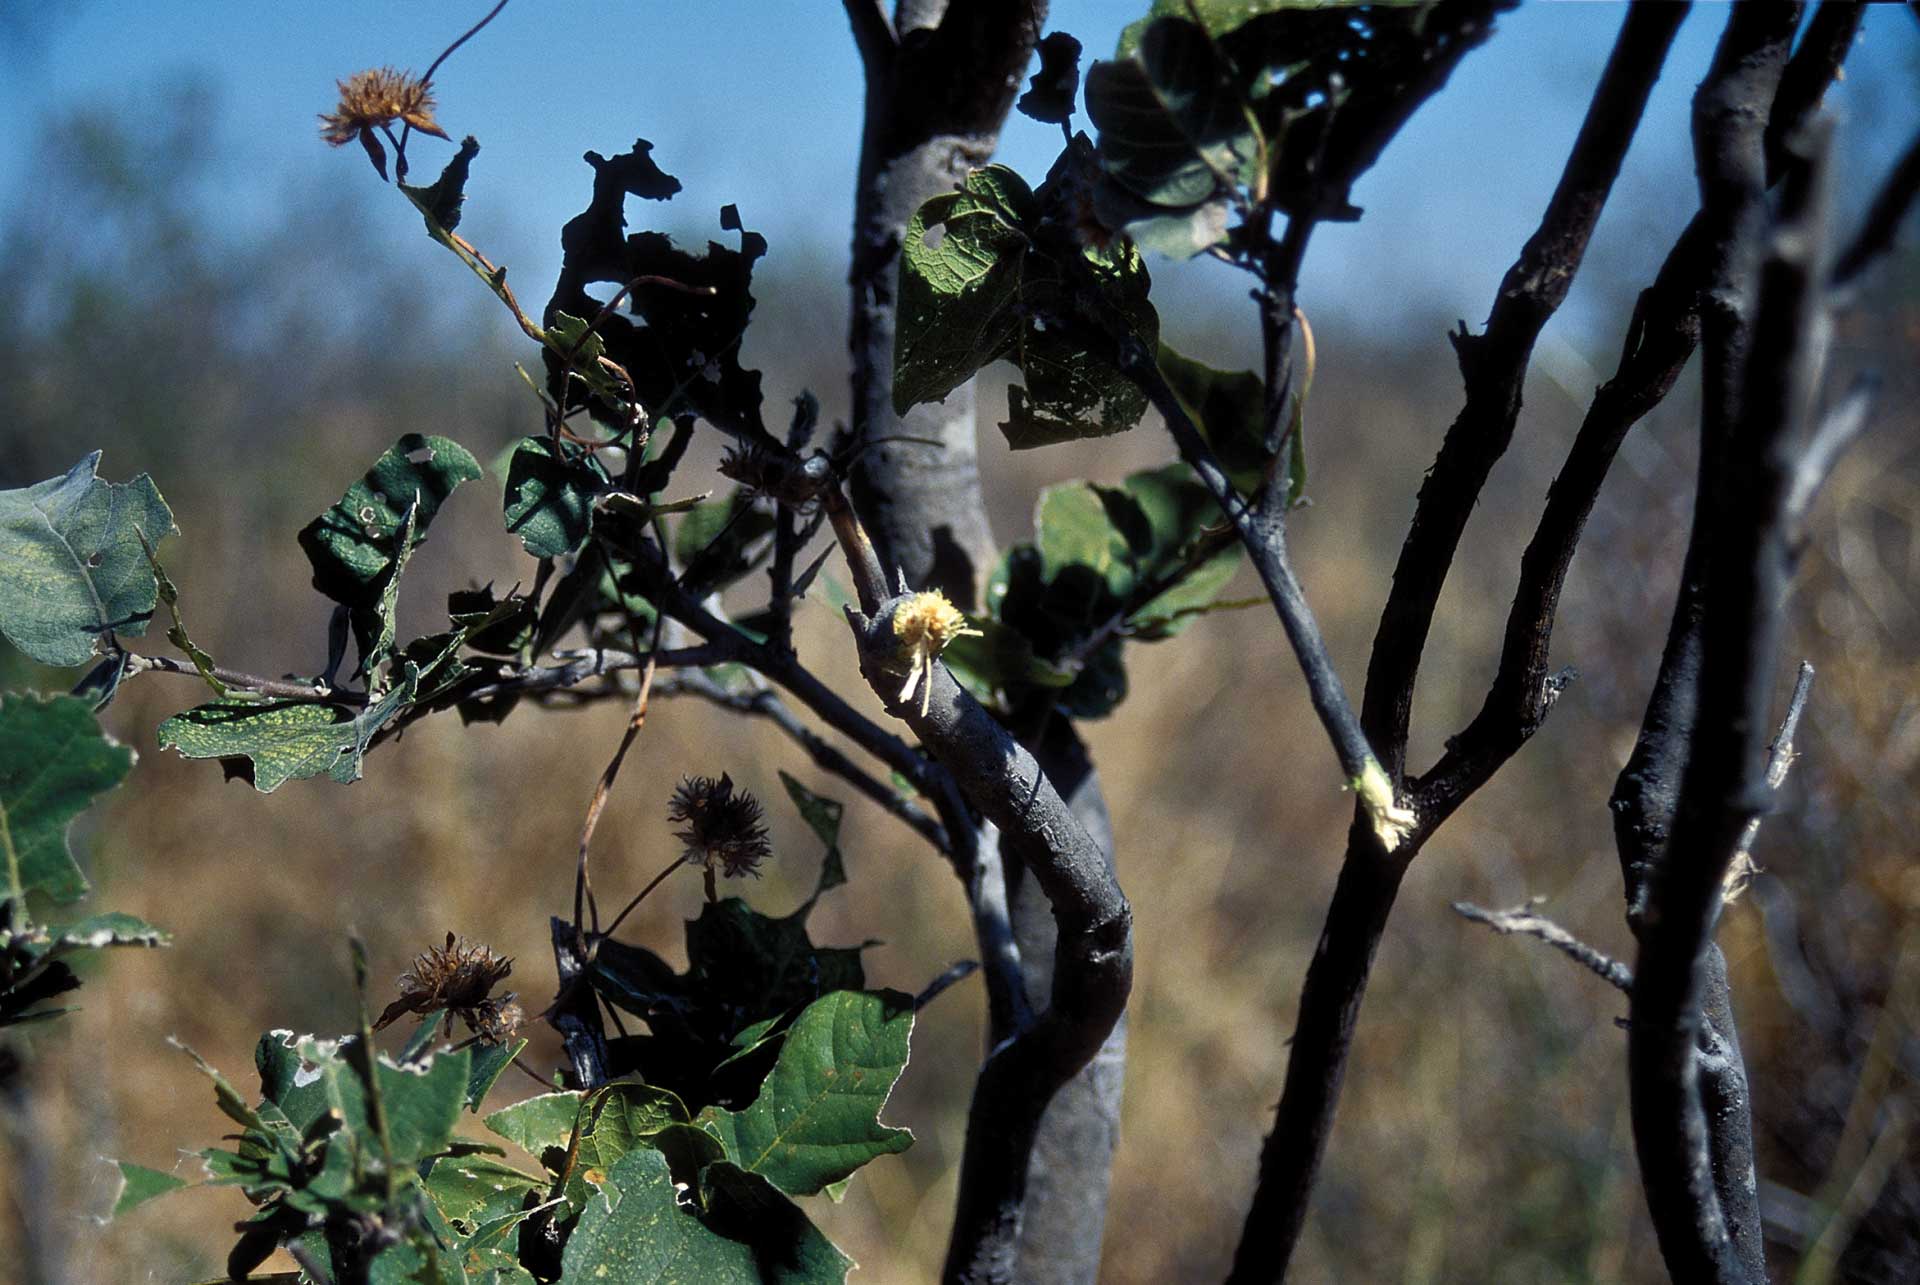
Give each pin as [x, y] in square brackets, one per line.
[1884, 217]
[1263, 532]
[1727, 622]
[1824, 47]
[872, 34]
[1494, 367]
[1529, 923]
[1093, 956]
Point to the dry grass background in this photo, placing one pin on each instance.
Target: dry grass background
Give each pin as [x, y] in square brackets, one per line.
[1483, 1134]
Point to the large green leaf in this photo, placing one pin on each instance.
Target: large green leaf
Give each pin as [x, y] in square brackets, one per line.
[636, 1232]
[286, 740]
[980, 282]
[72, 569]
[54, 760]
[353, 545]
[817, 1117]
[550, 492]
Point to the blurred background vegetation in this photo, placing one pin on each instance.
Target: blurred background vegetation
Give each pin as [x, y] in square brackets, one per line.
[254, 353]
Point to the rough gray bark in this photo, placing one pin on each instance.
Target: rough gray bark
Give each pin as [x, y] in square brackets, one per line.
[938, 89]
[939, 85]
[1072, 1165]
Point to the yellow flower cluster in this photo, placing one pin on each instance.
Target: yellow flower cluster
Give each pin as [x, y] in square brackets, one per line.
[925, 624]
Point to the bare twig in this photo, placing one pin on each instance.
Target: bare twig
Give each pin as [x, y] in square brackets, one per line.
[1530, 923]
[1780, 756]
[582, 880]
[273, 688]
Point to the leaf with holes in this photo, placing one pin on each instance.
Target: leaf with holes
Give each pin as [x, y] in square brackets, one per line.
[981, 280]
[352, 546]
[71, 567]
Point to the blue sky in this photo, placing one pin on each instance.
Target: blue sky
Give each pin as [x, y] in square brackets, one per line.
[759, 104]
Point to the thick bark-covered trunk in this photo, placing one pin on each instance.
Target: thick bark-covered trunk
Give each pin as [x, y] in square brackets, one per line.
[939, 86]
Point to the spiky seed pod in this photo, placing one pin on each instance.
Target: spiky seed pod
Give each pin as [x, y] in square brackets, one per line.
[722, 827]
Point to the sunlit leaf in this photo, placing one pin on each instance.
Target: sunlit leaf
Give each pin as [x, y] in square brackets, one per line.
[72, 570]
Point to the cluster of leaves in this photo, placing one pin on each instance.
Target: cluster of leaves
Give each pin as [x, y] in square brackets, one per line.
[1211, 107]
[76, 572]
[763, 1080]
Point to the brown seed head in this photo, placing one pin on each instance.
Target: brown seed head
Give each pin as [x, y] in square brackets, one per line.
[721, 826]
[376, 97]
[459, 976]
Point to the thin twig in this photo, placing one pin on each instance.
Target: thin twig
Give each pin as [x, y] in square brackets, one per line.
[1780, 756]
[1526, 921]
[582, 882]
[640, 896]
[276, 688]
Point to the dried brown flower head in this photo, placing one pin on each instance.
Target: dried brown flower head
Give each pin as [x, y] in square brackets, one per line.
[374, 99]
[721, 827]
[925, 624]
[459, 976]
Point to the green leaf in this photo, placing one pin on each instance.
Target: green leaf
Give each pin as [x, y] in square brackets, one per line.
[71, 567]
[139, 1184]
[97, 932]
[54, 760]
[980, 282]
[822, 816]
[490, 1061]
[352, 546]
[635, 1232]
[550, 493]
[1176, 134]
[572, 344]
[469, 1187]
[960, 291]
[534, 1124]
[817, 1117]
[746, 1207]
[1229, 409]
[286, 740]
[423, 1102]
